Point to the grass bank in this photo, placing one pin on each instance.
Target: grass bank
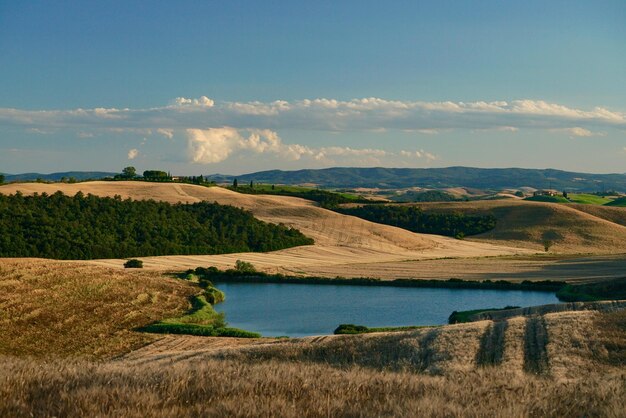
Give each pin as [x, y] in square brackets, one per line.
[201, 320]
[249, 275]
[345, 329]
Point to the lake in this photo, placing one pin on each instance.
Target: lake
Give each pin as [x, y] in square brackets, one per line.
[298, 310]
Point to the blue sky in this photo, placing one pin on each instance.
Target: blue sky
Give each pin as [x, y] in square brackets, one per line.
[239, 86]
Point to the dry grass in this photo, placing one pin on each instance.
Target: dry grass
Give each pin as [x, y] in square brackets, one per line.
[571, 228]
[58, 312]
[51, 308]
[339, 239]
[274, 388]
[351, 247]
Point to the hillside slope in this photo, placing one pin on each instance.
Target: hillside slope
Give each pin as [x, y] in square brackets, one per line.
[570, 228]
[479, 178]
[339, 239]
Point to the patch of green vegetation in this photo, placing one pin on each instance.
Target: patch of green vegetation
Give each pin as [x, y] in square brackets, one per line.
[325, 198]
[412, 218]
[427, 196]
[199, 330]
[588, 199]
[548, 199]
[344, 329]
[133, 263]
[457, 317]
[201, 320]
[619, 202]
[88, 227]
[206, 276]
[607, 290]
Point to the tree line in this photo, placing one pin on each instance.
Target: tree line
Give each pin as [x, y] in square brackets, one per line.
[414, 219]
[89, 227]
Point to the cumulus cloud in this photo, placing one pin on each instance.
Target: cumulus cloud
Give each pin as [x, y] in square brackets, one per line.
[214, 145]
[203, 101]
[578, 131]
[367, 114]
[418, 154]
[133, 153]
[168, 133]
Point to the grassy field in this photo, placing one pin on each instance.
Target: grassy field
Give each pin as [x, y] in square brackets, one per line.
[588, 199]
[51, 309]
[568, 364]
[57, 317]
[619, 202]
[547, 199]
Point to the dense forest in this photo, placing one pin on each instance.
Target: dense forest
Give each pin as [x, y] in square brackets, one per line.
[414, 219]
[88, 227]
[324, 198]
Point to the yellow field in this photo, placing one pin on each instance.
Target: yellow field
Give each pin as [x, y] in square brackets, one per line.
[351, 247]
[54, 308]
[435, 372]
[57, 317]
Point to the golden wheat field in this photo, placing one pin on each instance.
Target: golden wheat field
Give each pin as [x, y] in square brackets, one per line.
[69, 348]
[70, 344]
[588, 243]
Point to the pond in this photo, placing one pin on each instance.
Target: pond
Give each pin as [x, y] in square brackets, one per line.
[298, 310]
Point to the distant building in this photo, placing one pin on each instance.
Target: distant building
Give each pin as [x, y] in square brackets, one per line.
[546, 193]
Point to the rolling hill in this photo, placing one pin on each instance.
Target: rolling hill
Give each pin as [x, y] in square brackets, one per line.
[352, 247]
[339, 239]
[570, 227]
[437, 178]
[78, 175]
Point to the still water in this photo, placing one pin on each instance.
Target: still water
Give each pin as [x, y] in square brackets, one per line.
[298, 310]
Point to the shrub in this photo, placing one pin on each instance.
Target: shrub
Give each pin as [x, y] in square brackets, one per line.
[244, 267]
[350, 329]
[133, 263]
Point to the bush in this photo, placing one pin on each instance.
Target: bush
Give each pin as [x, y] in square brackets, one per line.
[244, 267]
[133, 263]
[214, 295]
[351, 329]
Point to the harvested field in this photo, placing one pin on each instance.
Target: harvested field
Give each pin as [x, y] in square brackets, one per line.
[217, 388]
[54, 308]
[431, 372]
[351, 247]
[571, 228]
[339, 239]
[64, 310]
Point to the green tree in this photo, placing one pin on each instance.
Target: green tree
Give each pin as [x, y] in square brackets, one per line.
[1, 178]
[235, 183]
[129, 172]
[156, 175]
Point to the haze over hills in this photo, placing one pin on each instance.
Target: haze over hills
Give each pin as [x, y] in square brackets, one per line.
[391, 178]
[480, 178]
[78, 175]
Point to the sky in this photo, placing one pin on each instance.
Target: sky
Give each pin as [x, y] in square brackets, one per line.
[232, 87]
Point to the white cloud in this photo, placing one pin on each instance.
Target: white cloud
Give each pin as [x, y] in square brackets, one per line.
[203, 101]
[331, 115]
[168, 133]
[418, 154]
[214, 145]
[133, 153]
[578, 131]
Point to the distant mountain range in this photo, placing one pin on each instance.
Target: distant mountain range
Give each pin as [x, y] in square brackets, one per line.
[479, 178]
[397, 178]
[78, 175]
